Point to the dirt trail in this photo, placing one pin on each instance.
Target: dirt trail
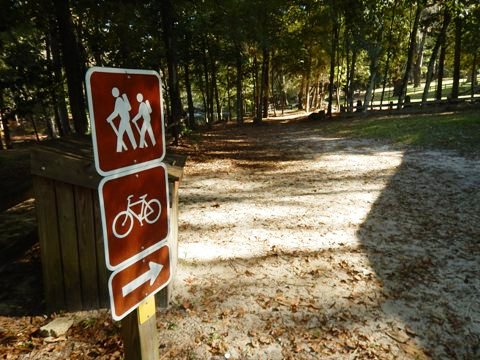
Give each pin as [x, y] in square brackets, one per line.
[294, 245]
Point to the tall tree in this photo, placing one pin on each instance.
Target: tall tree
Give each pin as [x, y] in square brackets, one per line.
[420, 5]
[441, 68]
[57, 81]
[373, 44]
[471, 43]
[168, 16]
[457, 54]
[390, 49]
[72, 64]
[334, 40]
[440, 39]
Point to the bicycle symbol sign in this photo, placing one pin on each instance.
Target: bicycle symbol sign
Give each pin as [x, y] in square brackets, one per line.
[134, 209]
[150, 211]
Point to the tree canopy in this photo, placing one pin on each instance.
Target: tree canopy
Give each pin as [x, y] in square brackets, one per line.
[228, 59]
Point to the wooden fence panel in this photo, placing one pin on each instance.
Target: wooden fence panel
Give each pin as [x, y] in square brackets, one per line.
[69, 245]
[49, 242]
[87, 249]
[70, 229]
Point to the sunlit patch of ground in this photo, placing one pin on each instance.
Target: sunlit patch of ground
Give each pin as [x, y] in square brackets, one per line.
[299, 258]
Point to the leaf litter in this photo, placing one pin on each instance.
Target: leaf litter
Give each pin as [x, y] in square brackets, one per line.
[331, 247]
[293, 245]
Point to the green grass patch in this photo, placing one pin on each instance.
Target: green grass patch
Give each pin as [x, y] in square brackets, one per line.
[458, 131]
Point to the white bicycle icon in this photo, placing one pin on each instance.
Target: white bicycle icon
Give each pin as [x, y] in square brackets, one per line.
[149, 211]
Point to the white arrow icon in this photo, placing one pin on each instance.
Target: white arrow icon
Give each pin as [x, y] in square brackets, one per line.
[151, 275]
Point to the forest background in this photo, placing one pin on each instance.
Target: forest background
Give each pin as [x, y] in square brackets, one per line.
[232, 59]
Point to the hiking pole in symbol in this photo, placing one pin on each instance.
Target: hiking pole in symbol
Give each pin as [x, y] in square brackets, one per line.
[149, 211]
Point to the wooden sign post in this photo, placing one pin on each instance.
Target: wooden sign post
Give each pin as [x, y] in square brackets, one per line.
[139, 332]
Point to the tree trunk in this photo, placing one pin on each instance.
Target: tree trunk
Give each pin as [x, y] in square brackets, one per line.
[411, 49]
[456, 57]
[209, 109]
[335, 35]
[211, 88]
[389, 53]
[340, 72]
[72, 64]
[239, 81]
[385, 76]
[34, 125]
[229, 96]
[96, 45]
[474, 68]
[257, 112]
[51, 90]
[265, 81]
[6, 130]
[319, 92]
[168, 108]
[441, 69]
[201, 81]
[272, 86]
[474, 75]
[315, 95]
[300, 93]
[58, 91]
[371, 82]
[1, 139]
[307, 91]
[215, 91]
[188, 88]
[81, 49]
[348, 65]
[168, 20]
[433, 56]
[417, 69]
[351, 79]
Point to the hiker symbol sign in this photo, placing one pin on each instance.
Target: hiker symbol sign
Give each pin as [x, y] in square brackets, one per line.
[126, 118]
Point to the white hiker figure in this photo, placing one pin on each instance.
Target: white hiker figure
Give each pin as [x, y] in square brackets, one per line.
[144, 111]
[122, 108]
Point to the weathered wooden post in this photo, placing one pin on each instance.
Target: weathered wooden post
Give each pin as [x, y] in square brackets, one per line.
[139, 330]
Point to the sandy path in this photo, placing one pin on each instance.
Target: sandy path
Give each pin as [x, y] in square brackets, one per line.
[293, 245]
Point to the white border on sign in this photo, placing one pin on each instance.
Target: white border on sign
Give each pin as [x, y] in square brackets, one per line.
[110, 290]
[148, 250]
[92, 116]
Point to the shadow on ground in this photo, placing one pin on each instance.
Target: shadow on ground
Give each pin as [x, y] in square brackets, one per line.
[21, 284]
[422, 238]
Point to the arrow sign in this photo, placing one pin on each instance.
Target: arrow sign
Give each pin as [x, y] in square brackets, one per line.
[135, 281]
[151, 275]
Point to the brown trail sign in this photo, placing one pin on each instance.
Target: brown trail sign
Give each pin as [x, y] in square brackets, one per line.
[129, 143]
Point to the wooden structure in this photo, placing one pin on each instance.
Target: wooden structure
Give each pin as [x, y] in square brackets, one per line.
[70, 232]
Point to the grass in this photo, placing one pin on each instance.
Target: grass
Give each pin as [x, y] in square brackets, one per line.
[416, 93]
[450, 131]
